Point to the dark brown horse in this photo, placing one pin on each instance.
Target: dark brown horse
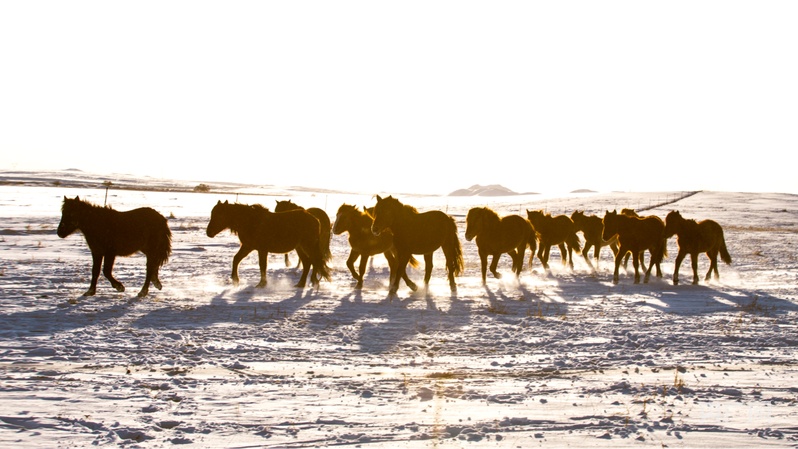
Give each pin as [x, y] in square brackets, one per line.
[324, 223]
[557, 230]
[418, 233]
[365, 244]
[263, 231]
[496, 235]
[635, 235]
[592, 228]
[110, 233]
[693, 238]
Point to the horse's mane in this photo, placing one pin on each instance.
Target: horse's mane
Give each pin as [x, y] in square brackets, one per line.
[489, 213]
[405, 207]
[259, 208]
[83, 203]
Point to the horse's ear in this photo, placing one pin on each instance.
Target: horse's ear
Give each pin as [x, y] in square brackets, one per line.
[379, 198]
[77, 198]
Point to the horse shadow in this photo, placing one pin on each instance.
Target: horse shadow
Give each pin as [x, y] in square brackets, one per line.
[382, 325]
[708, 299]
[66, 317]
[228, 307]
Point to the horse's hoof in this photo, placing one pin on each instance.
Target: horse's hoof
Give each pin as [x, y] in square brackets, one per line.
[412, 287]
[300, 285]
[142, 294]
[119, 288]
[157, 284]
[89, 292]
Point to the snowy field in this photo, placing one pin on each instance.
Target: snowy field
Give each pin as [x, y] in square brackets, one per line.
[559, 359]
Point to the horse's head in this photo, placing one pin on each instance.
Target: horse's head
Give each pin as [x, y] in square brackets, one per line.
[473, 223]
[70, 216]
[673, 221]
[578, 217]
[384, 213]
[535, 216]
[219, 219]
[343, 219]
[610, 222]
[284, 205]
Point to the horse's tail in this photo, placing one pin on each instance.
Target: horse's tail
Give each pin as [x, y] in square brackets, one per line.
[454, 252]
[163, 243]
[573, 242]
[724, 252]
[413, 262]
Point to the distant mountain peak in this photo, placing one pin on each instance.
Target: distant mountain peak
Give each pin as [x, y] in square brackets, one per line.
[480, 190]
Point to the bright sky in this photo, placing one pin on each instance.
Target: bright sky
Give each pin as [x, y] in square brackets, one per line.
[407, 96]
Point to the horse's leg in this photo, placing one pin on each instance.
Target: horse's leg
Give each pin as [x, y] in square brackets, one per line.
[483, 259]
[571, 257]
[350, 263]
[679, 258]
[564, 255]
[263, 261]
[713, 264]
[427, 268]
[519, 259]
[400, 269]
[636, 264]
[619, 257]
[307, 264]
[96, 265]
[694, 266]
[287, 261]
[152, 266]
[240, 255]
[108, 267]
[650, 265]
[543, 256]
[391, 258]
[494, 264]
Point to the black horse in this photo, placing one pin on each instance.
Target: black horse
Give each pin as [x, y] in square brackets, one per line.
[110, 233]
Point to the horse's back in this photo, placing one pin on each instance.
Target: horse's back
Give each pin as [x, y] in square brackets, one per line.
[426, 232]
[143, 229]
[517, 224]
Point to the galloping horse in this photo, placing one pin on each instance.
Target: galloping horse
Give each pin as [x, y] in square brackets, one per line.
[498, 235]
[635, 235]
[365, 244]
[110, 233]
[324, 223]
[263, 231]
[592, 227]
[556, 230]
[418, 233]
[693, 238]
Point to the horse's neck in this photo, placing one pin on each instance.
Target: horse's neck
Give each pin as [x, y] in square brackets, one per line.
[94, 216]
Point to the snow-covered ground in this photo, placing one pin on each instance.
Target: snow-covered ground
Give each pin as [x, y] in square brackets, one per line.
[553, 360]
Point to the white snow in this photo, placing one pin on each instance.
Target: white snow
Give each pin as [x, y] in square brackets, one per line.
[550, 360]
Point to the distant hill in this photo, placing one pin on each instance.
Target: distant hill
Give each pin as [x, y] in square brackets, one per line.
[490, 190]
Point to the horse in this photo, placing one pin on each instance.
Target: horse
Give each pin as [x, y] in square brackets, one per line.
[693, 238]
[592, 228]
[110, 233]
[556, 230]
[418, 233]
[365, 244]
[496, 235]
[324, 222]
[261, 230]
[635, 235]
